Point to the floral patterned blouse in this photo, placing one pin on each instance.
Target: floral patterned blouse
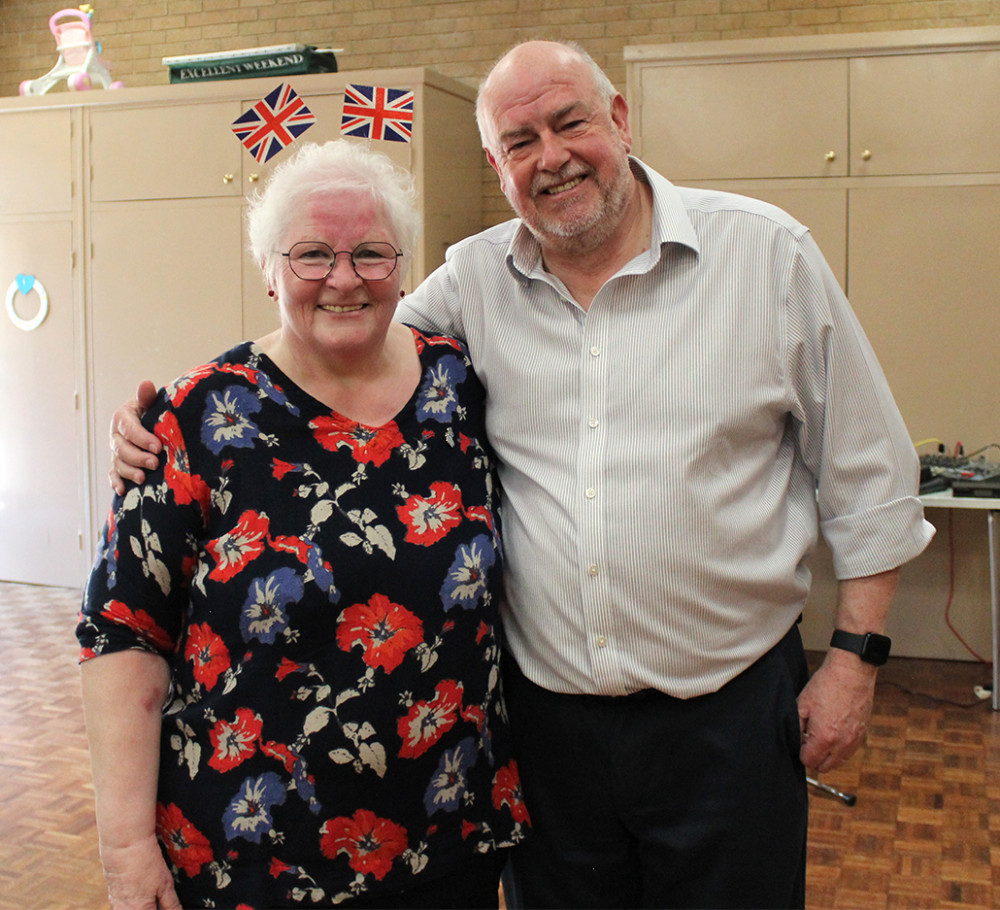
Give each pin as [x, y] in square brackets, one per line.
[326, 596]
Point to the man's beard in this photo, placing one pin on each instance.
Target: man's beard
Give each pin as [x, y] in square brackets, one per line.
[582, 228]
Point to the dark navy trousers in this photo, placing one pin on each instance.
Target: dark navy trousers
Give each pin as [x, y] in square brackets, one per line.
[653, 801]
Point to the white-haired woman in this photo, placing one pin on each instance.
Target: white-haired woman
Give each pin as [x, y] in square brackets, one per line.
[290, 637]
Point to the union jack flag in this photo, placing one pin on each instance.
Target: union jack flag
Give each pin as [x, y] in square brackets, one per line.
[378, 113]
[273, 123]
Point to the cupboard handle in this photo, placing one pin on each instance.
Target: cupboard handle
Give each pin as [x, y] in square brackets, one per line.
[227, 178]
[254, 178]
[831, 156]
[865, 155]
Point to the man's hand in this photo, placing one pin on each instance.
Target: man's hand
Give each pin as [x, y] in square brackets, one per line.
[835, 709]
[132, 447]
[138, 878]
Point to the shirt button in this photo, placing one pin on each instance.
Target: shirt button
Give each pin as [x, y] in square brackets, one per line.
[593, 423]
[602, 642]
[591, 493]
[595, 351]
[593, 570]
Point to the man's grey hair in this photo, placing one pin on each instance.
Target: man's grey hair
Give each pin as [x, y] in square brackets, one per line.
[602, 83]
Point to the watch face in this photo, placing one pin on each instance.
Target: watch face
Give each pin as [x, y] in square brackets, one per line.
[876, 649]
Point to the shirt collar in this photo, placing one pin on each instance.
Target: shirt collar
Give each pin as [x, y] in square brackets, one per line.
[671, 224]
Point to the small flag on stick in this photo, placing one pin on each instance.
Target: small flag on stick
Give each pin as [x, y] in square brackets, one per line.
[273, 123]
[373, 112]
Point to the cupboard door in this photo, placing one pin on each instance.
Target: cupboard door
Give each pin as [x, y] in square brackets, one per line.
[165, 152]
[923, 281]
[926, 113]
[42, 490]
[35, 162]
[166, 288]
[785, 118]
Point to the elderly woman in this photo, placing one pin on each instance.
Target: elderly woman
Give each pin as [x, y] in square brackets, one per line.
[290, 655]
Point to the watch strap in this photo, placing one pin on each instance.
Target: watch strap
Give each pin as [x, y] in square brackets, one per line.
[869, 646]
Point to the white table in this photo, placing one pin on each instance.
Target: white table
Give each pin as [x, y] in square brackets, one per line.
[946, 500]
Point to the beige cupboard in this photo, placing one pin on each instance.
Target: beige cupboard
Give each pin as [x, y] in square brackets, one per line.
[42, 418]
[886, 146]
[132, 202]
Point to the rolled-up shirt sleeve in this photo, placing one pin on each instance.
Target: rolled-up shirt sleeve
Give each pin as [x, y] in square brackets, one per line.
[851, 433]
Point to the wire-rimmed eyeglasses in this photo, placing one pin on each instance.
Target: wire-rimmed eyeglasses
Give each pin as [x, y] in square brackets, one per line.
[313, 260]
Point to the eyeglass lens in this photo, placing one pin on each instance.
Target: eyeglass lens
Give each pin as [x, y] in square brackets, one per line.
[314, 260]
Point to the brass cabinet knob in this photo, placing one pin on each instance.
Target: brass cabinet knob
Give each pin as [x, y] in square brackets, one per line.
[254, 178]
[865, 155]
[831, 156]
[227, 178]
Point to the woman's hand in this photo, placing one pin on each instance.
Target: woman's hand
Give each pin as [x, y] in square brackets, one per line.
[138, 878]
[132, 447]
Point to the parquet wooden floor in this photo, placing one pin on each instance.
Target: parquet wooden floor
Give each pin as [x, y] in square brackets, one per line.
[924, 833]
[48, 842]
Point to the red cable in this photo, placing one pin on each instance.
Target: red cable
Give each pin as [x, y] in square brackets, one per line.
[951, 588]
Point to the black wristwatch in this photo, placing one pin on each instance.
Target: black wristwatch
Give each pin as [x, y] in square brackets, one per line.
[871, 647]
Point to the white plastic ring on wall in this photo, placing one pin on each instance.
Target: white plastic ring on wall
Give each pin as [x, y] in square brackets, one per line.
[25, 284]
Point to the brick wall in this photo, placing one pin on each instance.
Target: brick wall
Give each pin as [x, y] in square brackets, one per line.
[458, 37]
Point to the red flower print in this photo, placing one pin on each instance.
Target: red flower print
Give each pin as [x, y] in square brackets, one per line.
[480, 513]
[385, 631]
[277, 867]
[208, 652]
[280, 468]
[234, 549]
[295, 545]
[286, 667]
[234, 741]
[367, 444]
[427, 721]
[371, 843]
[241, 369]
[186, 846]
[476, 715]
[178, 390]
[281, 752]
[185, 486]
[139, 621]
[429, 518]
[507, 791]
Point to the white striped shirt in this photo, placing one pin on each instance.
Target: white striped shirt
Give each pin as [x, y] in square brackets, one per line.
[661, 453]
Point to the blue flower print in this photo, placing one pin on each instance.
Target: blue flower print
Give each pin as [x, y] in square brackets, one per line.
[449, 784]
[275, 394]
[263, 615]
[226, 421]
[249, 813]
[438, 398]
[322, 574]
[304, 784]
[465, 583]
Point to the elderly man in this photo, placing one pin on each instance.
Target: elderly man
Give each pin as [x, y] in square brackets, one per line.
[681, 400]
